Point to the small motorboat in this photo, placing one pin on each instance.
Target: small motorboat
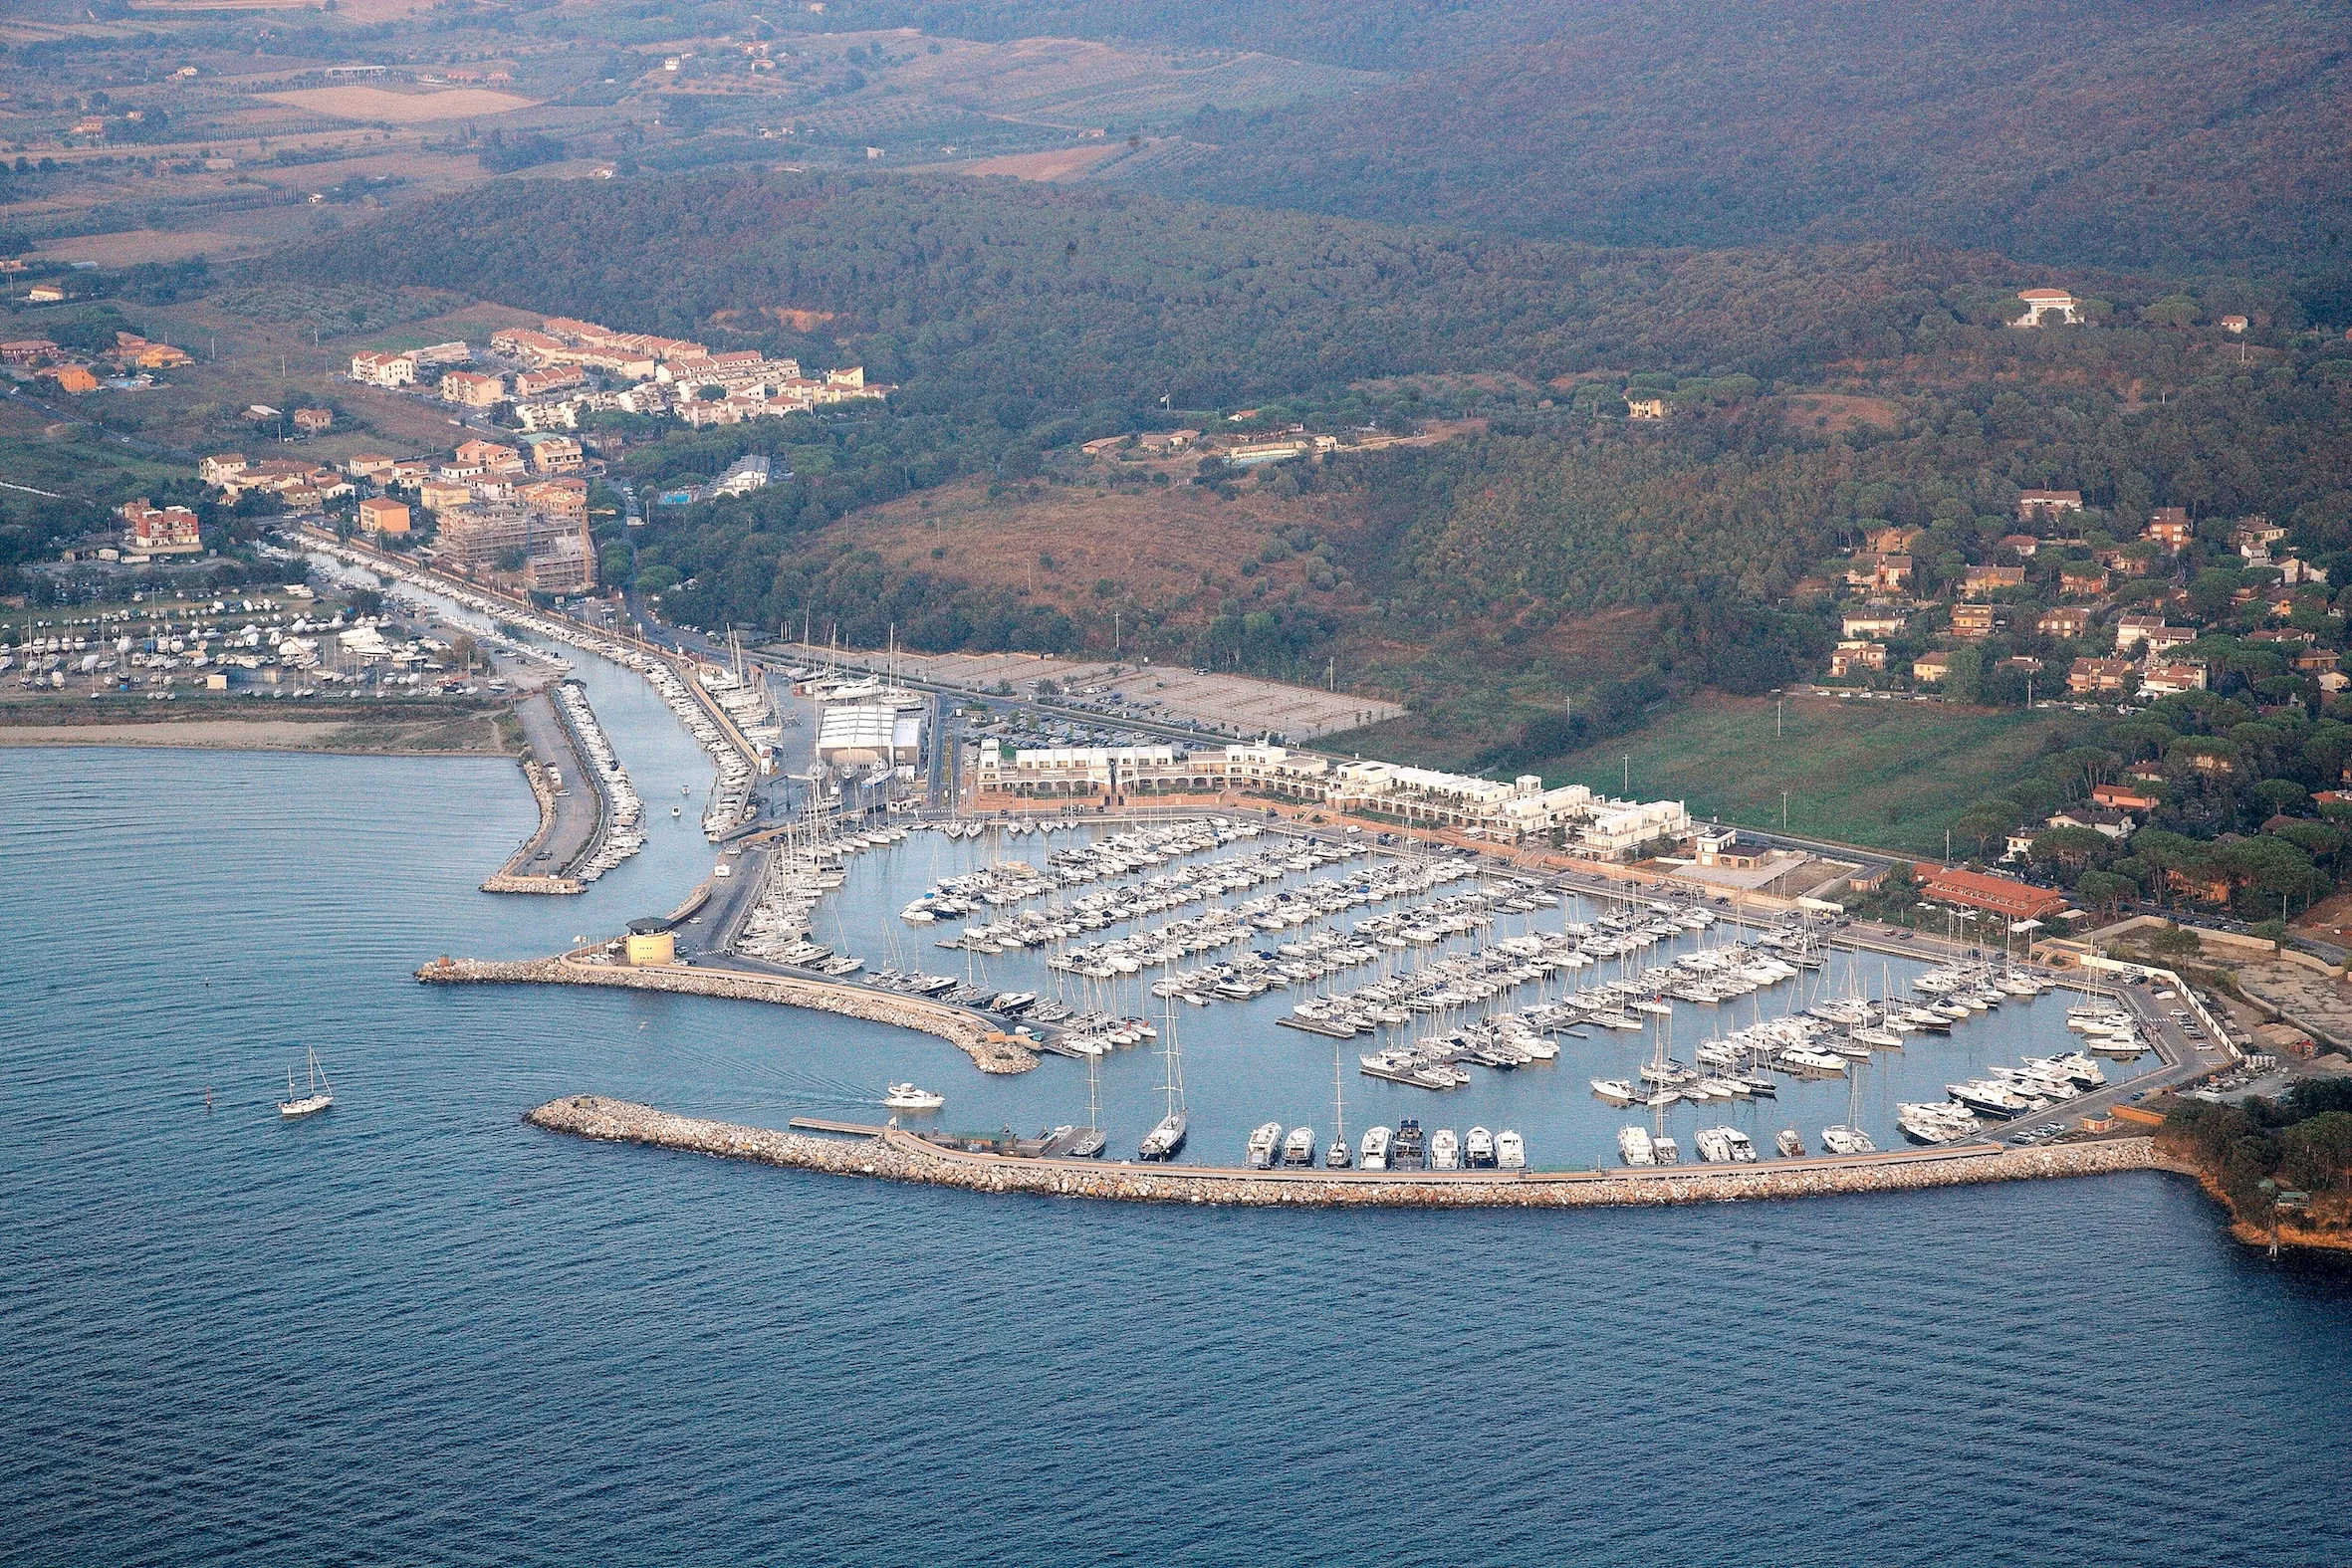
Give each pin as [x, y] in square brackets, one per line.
[906, 1097]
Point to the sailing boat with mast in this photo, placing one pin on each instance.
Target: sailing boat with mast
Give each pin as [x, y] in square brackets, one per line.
[1850, 1138]
[318, 1097]
[1090, 1142]
[1338, 1157]
[1166, 1141]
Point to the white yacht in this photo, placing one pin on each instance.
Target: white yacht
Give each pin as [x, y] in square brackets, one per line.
[1263, 1144]
[1667, 1151]
[1373, 1155]
[1299, 1148]
[319, 1096]
[1633, 1143]
[1614, 1090]
[906, 1097]
[1478, 1149]
[1444, 1150]
[1511, 1151]
[1847, 1140]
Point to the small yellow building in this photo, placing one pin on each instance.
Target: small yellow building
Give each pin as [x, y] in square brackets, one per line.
[652, 942]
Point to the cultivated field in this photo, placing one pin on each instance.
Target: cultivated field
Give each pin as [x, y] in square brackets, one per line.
[1891, 775]
[1060, 164]
[403, 109]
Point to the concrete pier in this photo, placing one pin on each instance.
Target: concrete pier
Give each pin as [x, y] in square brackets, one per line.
[899, 1155]
[571, 821]
[967, 1031]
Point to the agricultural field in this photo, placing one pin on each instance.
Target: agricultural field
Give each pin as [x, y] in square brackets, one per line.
[1887, 775]
[403, 108]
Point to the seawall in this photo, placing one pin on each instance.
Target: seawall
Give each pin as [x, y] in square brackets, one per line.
[898, 1155]
[511, 878]
[965, 1032]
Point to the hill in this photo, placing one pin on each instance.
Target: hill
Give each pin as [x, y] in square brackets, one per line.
[2118, 133]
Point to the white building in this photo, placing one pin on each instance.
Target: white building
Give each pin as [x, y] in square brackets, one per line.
[865, 735]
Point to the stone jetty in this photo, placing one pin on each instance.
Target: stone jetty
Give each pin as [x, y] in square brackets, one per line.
[511, 878]
[989, 1050]
[895, 1154]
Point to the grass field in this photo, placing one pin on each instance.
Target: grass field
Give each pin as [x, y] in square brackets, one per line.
[1889, 774]
[403, 109]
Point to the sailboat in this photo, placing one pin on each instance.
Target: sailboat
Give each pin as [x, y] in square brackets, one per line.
[1088, 1144]
[1166, 1141]
[1850, 1138]
[1338, 1157]
[318, 1097]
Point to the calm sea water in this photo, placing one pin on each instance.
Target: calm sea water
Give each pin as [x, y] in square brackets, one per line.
[415, 1331]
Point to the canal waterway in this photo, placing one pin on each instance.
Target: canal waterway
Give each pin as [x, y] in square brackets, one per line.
[413, 1330]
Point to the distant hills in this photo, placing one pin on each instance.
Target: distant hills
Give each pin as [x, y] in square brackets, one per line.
[2133, 133]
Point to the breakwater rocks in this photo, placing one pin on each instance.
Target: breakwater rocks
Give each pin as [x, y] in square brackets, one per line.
[898, 1155]
[967, 1032]
[509, 878]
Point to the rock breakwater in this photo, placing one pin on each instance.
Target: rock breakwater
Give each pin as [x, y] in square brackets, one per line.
[967, 1032]
[898, 1155]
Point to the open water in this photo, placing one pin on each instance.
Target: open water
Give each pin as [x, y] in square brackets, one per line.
[413, 1331]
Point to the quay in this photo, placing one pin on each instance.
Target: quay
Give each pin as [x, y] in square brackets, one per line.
[895, 1154]
[989, 1049]
[573, 812]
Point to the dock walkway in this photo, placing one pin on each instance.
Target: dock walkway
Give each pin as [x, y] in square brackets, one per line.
[899, 1155]
[968, 1031]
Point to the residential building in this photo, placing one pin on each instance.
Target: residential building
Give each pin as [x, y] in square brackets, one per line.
[1930, 667]
[2083, 582]
[27, 351]
[538, 384]
[468, 389]
[2234, 325]
[2048, 505]
[381, 514]
[221, 469]
[2021, 546]
[556, 455]
[1991, 579]
[1726, 849]
[2124, 798]
[1972, 621]
[2098, 677]
[2171, 527]
[383, 370]
[159, 531]
[1872, 623]
[2106, 820]
[562, 499]
[313, 421]
[2041, 304]
[2133, 629]
[75, 379]
[1998, 895]
[369, 464]
[2167, 680]
[490, 457]
[2068, 622]
[443, 353]
[440, 495]
[2160, 638]
[1852, 657]
[1645, 408]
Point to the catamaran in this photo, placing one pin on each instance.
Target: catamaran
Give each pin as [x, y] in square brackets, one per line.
[317, 1097]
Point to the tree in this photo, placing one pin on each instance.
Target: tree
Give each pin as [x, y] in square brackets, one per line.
[1986, 821]
[2103, 891]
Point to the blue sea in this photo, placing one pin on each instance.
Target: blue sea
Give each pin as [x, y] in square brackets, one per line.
[415, 1331]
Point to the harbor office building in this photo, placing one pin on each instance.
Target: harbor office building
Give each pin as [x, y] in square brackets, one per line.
[1412, 796]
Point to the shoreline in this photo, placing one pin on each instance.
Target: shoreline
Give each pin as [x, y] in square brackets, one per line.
[273, 734]
[898, 1155]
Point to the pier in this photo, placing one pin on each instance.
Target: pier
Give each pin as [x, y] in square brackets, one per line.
[989, 1049]
[572, 819]
[895, 1154]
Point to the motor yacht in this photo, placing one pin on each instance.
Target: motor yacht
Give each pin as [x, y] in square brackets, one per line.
[906, 1097]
